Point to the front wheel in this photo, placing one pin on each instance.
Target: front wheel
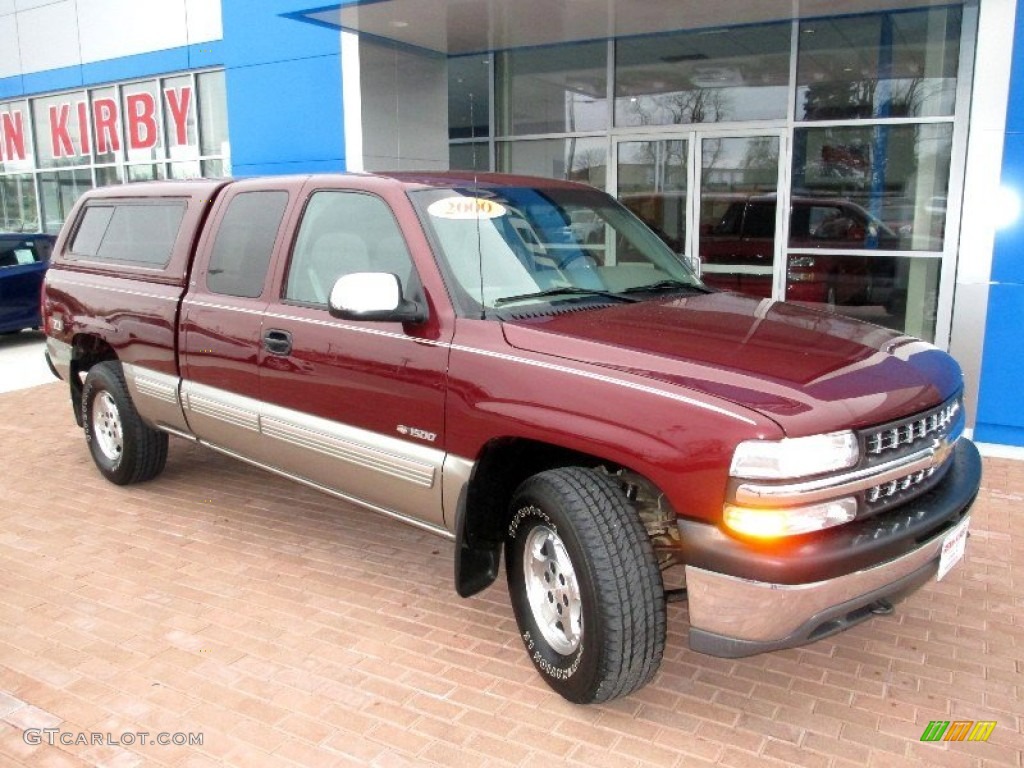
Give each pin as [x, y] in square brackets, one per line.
[585, 585]
[123, 447]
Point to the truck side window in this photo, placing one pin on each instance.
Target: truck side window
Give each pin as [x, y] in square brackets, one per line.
[143, 233]
[342, 233]
[245, 241]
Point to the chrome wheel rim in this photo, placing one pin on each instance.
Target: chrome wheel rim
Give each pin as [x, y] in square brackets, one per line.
[553, 590]
[106, 426]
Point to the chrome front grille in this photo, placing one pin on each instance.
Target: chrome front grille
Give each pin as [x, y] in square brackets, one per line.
[899, 440]
[890, 489]
[912, 433]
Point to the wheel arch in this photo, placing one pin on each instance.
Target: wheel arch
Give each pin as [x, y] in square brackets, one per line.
[87, 350]
[502, 465]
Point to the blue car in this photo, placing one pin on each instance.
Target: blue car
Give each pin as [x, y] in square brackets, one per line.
[23, 262]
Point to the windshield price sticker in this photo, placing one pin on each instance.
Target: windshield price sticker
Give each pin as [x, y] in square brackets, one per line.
[953, 548]
[462, 208]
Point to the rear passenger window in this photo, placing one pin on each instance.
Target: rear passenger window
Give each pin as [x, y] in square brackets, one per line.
[245, 241]
[342, 233]
[141, 233]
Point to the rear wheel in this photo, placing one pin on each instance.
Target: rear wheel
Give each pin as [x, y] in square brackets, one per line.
[123, 447]
[585, 585]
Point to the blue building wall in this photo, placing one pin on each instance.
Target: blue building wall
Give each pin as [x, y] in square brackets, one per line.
[285, 107]
[1000, 416]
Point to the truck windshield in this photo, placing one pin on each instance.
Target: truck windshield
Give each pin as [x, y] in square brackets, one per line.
[514, 247]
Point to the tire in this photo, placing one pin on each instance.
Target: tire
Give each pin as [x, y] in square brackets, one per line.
[592, 562]
[124, 448]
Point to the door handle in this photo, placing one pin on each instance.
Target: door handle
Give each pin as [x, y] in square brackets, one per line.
[277, 342]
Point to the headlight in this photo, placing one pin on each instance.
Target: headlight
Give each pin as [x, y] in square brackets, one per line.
[774, 523]
[795, 457]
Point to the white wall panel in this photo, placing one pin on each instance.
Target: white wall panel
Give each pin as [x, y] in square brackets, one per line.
[48, 36]
[113, 28]
[204, 20]
[37, 35]
[22, 5]
[10, 56]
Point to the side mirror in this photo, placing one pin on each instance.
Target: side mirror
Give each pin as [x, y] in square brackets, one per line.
[373, 296]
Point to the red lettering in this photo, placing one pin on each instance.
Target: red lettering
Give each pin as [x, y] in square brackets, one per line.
[105, 123]
[179, 101]
[142, 128]
[83, 128]
[60, 139]
[13, 128]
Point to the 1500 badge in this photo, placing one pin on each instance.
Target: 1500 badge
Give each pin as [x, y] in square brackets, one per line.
[419, 434]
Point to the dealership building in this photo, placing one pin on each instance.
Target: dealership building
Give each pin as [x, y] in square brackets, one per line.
[862, 156]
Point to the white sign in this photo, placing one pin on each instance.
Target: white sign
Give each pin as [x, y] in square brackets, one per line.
[466, 208]
[953, 548]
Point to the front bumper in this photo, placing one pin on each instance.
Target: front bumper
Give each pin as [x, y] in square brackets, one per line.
[744, 600]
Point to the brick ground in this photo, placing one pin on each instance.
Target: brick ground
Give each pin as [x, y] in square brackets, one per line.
[291, 630]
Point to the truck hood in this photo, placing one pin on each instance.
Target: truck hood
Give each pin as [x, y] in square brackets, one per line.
[811, 372]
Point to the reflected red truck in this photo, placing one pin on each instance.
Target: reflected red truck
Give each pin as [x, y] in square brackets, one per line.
[521, 366]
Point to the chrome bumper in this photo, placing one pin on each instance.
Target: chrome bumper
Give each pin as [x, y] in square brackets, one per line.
[735, 617]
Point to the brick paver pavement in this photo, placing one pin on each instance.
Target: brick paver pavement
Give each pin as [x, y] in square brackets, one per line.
[290, 629]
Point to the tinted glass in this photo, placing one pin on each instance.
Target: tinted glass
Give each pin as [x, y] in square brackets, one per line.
[469, 97]
[342, 233]
[475, 156]
[137, 233]
[520, 247]
[879, 65]
[90, 233]
[18, 212]
[553, 90]
[899, 292]
[710, 76]
[872, 187]
[245, 242]
[583, 160]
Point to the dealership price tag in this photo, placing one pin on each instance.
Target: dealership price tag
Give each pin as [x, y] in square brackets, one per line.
[953, 548]
[461, 208]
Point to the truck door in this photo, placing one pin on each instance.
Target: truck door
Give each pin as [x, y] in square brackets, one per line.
[354, 407]
[222, 316]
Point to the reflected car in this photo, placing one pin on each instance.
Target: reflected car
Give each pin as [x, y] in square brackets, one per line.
[24, 259]
[737, 252]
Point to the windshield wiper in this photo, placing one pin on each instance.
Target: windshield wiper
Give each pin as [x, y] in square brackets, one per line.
[565, 290]
[667, 285]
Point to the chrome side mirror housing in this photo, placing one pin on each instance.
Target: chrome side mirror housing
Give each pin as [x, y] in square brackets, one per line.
[373, 296]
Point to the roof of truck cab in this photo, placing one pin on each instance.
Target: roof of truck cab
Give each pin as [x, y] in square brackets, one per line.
[407, 179]
[162, 188]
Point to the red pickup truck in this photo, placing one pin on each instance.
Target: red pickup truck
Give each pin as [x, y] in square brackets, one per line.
[451, 351]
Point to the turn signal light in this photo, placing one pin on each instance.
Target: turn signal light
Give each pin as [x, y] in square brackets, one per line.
[776, 523]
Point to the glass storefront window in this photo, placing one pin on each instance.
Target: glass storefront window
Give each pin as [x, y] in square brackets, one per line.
[898, 292]
[107, 175]
[16, 147]
[561, 89]
[880, 65]
[474, 156]
[61, 139]
[140, 112]
[180, 125]
[108, 135]
[881, 187]
[653, 179]
[708, 76]
[18, 210]
[469, 97]
[584, 160]
[174, 127]
[59, 191]
[213, 115]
